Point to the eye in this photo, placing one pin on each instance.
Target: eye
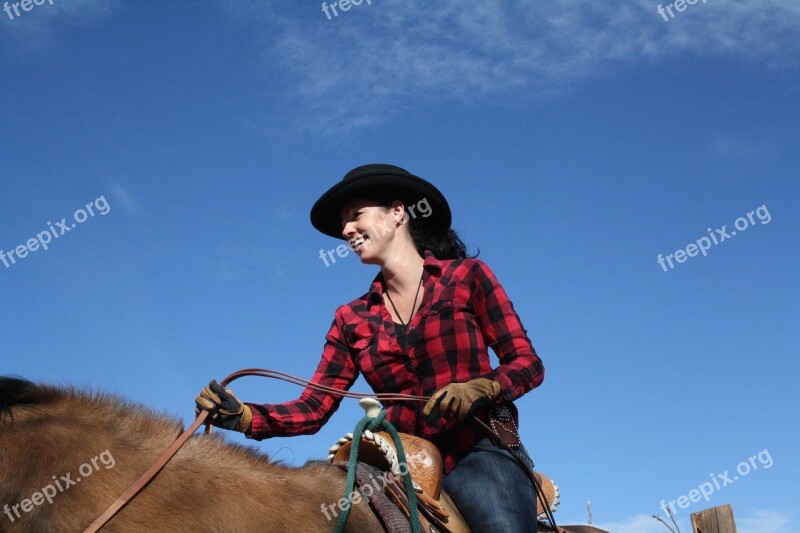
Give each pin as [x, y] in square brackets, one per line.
[354, 216]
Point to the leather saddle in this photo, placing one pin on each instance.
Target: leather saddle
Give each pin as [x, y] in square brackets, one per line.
[437, 511]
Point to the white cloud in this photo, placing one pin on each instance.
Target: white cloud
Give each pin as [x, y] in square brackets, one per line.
[374, 61]
[35, 29]
[129, 204]
[762, 521]
[638, 524]
[728, 147]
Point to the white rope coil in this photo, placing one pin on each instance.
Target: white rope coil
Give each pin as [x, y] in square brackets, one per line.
[382, 443]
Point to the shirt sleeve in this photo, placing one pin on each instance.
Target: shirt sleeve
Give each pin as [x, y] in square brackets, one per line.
[312, 409]
[520, 368]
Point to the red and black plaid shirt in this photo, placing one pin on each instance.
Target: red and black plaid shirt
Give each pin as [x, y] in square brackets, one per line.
[464, 311]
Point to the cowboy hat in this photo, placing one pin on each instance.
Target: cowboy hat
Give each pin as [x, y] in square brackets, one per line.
[382, 183]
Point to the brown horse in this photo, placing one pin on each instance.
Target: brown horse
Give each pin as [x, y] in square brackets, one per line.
[66, 455]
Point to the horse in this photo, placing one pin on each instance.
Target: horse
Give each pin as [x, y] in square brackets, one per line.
[68, 454]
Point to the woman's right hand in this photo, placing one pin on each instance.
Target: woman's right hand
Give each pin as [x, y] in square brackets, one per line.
[224, 409]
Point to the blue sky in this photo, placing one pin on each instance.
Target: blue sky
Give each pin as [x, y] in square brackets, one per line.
[575, 141]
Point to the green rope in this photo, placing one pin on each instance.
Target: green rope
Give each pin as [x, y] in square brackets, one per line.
[376, 424]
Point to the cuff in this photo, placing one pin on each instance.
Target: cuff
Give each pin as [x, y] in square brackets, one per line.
[508, 392]
[259, 426]
[246, 419]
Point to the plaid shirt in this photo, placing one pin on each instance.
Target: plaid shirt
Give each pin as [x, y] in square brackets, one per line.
[464, 311]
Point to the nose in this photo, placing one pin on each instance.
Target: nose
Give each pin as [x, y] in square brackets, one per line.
[349, 230]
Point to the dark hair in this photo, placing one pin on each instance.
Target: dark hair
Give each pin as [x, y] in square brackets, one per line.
[442, 243]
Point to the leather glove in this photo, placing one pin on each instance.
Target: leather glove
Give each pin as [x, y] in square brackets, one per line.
[462, 399]
[224, 409]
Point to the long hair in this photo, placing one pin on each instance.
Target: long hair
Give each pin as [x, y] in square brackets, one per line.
[442, 243]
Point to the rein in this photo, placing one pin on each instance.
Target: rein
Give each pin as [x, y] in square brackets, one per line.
[525, 466]
[170, 452]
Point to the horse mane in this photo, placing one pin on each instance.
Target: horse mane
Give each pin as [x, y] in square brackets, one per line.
[132, 423]
[19, 393]
[16, 391]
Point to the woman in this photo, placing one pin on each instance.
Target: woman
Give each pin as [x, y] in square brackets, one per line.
[424, 328]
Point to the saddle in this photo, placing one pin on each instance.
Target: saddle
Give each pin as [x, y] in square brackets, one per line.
[425, 466]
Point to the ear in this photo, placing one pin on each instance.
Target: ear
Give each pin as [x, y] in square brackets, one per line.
[398, 211]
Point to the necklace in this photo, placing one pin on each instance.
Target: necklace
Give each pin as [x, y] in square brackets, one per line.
[413, 306]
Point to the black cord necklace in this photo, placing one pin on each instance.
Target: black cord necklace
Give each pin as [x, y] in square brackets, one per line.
[413, 306]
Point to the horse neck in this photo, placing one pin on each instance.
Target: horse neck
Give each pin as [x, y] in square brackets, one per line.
[209, 484]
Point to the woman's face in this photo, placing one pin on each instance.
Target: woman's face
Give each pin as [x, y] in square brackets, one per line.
[369, 228]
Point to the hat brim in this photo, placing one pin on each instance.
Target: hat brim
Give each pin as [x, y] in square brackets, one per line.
[380, 186]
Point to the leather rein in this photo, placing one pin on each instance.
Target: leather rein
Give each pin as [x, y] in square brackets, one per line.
[162, 461]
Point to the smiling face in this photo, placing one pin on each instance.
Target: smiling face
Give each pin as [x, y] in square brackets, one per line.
[370, 228]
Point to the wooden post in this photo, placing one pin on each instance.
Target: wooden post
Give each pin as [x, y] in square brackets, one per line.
[714, 520]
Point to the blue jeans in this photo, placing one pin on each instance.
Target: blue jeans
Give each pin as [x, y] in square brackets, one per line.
[492, 491]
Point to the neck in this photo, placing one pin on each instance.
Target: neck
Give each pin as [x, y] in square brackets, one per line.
[402, 270]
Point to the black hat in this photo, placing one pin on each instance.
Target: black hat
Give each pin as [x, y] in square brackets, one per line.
[382, 183]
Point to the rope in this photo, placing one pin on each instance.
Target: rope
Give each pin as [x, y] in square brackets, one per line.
[376, 424]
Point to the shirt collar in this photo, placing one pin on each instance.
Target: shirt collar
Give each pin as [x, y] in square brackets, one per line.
[430, 264]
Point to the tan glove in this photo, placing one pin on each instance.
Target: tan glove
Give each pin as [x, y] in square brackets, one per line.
[462, 399]
[224, 409]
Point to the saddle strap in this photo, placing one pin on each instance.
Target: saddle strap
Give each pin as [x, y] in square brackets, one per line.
[371, 484]
[431, 512]
[433, 506]
[396, 491]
